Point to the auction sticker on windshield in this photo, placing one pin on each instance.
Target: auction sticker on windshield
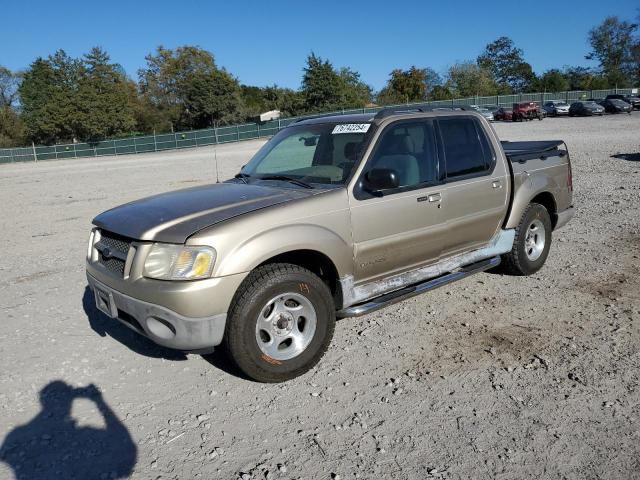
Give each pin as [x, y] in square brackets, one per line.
[351, 128]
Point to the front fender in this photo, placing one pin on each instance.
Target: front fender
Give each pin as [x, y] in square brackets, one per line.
[282, 239]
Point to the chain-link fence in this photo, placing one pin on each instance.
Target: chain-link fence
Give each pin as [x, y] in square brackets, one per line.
[248, 131]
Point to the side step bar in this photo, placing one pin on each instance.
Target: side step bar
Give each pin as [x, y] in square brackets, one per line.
[418, 288]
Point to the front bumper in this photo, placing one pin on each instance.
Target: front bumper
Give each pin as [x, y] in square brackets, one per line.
[161, 325]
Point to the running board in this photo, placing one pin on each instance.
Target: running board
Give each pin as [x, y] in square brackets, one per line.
[422, 287]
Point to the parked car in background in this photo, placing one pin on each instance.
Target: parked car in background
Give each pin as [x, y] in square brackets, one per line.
[485, 112]
[615, 105]
[526, 111]
[492, 108]
[556, 107]
[503, 113]
[632, 100]
[586, 108]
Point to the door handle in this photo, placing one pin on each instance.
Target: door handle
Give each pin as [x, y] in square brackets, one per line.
[434, 197]
[496, 184]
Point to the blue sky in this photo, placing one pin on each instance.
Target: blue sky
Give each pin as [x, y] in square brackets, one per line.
[266, 42]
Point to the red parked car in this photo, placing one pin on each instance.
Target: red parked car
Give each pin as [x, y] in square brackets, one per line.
[526, 111]
[503, 113]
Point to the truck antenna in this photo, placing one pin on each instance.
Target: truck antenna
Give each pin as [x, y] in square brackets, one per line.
[215, 154]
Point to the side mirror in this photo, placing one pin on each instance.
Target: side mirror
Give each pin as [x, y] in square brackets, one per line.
[379, 179]
[309, 141]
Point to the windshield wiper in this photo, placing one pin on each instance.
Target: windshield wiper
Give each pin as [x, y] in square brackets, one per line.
[242, 176]
[286, 179]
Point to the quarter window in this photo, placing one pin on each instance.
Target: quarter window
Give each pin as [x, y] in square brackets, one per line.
[466, 148]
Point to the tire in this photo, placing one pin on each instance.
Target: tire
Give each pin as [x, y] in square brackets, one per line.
[529, 251]
[303, 313]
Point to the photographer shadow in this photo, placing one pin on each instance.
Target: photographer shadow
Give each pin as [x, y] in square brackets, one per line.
[52, 445]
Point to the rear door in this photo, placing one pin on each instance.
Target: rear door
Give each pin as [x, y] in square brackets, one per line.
[475, 196]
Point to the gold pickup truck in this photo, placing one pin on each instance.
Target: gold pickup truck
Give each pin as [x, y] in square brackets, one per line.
[335, 216]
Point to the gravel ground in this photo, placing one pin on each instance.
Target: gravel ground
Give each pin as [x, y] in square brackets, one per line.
[492, 377]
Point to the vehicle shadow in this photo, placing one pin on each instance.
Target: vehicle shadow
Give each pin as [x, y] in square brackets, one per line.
[631, 157]
[220, 360]
[103, 326]
[52, 445]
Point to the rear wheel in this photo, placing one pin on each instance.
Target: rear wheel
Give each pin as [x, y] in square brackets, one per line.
[531, 244]
[280, 323]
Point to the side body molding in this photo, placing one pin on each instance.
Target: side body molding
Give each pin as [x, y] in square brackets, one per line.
[352, 294]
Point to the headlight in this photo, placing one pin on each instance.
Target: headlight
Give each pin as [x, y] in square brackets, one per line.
[179, 262]
[92, 253]
[90, 246]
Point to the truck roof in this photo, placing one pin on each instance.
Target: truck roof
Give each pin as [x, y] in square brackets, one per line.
[385, 113]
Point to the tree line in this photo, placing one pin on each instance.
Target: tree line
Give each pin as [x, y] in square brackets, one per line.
[64, 99]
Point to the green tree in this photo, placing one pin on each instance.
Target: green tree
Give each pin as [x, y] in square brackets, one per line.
[102, 99]
[290, 102]
[432, 80]
[187, 87]
[9, 83]
[48, 94]
[552, 80]
[12, 131]
[211, 99]
[253, 99]
[506, 64]
[582, 78]
[354, 93]
[321, 85]
[404, 86]
[440, 92]
[468, 79]
[613, 46]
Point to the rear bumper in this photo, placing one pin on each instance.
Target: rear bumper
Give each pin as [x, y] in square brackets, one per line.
[562, 218]
[160, 324]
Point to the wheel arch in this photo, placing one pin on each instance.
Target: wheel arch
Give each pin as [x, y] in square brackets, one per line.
[318, 263]
[316, 248]
[523, 198]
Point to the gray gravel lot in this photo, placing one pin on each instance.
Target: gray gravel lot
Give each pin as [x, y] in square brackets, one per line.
[492, 377]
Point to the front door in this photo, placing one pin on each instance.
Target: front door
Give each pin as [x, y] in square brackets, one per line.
[400, 228]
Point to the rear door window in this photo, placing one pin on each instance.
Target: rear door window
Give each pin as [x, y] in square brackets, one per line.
[466, 148]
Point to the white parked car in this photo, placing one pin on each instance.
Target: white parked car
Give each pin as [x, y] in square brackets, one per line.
[556, 107]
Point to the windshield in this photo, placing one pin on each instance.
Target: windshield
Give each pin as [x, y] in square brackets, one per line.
[591, 104]
[320, 153]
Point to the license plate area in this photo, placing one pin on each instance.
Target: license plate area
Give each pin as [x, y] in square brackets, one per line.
[105, 303]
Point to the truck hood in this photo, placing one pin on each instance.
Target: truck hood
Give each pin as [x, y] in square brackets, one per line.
[174, 216]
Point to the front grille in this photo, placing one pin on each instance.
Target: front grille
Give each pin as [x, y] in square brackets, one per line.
[112, 252]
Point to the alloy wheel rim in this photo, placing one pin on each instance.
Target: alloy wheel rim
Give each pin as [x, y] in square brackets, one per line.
[285, 326]
[534, 240]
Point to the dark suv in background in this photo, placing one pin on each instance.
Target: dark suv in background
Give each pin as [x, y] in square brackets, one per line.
[632, 100]
[615, 105]
[585, 108]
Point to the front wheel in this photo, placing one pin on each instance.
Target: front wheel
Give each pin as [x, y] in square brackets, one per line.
[531, 244]
[280, 323]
